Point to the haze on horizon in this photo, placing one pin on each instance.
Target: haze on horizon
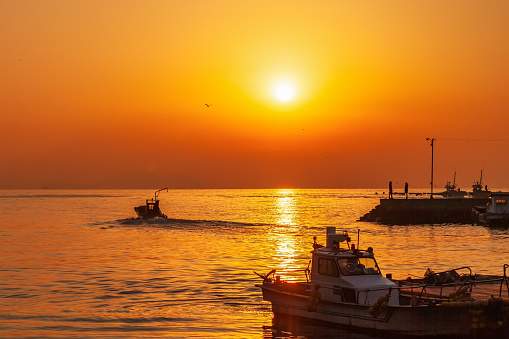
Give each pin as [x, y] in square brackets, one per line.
[328, 94]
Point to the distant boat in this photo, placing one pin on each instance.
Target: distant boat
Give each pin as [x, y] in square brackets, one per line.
[477, 190]
[151, 208]
[451, 191]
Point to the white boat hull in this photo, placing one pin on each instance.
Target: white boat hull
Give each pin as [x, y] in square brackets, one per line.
[344, 286]
[421, 320]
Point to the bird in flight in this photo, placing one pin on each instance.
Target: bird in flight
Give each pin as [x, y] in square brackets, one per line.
[208, 105]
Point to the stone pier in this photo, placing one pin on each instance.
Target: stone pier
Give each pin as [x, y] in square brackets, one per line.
[423, 211]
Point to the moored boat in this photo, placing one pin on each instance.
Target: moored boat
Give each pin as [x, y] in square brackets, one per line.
[151, 208]
[451, 191]
[345, 286]
[495, 212]
[477, 190]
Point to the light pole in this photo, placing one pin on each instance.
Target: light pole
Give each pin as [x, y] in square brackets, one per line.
[432, 140]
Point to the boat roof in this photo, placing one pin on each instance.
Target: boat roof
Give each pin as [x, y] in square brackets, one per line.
[499, 194]
[333, 246]
[343, 253]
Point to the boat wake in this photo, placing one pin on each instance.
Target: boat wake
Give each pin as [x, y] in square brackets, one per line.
[175, 223]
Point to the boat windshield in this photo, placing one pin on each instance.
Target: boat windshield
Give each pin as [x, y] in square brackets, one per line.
[358, 266]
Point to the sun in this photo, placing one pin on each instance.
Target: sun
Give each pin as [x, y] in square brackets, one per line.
[284, 91]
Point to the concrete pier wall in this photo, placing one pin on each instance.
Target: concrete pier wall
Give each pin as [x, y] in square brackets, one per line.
[423, 211]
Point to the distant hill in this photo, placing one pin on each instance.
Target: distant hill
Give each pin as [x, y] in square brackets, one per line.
[130, 180]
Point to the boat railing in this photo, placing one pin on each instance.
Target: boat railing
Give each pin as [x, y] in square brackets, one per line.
[433, 279]
[339, 291]
[468, 282]
[422, 296]
[367, 290]
[307, 272]
[290, 274]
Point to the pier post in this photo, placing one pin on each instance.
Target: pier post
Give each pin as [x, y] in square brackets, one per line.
[432, 140]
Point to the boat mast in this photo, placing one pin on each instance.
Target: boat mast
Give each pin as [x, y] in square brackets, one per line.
[157, 192]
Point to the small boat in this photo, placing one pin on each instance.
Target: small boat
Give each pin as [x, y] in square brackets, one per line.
[344, 286]
[495, 212]
[477, 190]
[451, 191]
[151, 208]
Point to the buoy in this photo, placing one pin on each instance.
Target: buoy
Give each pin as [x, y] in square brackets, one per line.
[379, 306]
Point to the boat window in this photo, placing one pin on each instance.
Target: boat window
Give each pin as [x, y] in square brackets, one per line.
[327, 267]
[358, 266]
[501, 202]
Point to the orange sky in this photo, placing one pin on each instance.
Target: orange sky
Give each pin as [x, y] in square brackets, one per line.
[111, 93]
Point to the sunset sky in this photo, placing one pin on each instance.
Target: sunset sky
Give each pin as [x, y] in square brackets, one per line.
[302, 94]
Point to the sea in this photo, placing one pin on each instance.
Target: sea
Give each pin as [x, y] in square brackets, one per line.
[77, 264]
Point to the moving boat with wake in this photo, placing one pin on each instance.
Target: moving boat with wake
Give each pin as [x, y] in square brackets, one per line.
[345, 286]
[151, 208]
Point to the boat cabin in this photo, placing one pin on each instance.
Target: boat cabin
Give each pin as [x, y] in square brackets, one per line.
[348, 274]
[498, 203]
[495, 212]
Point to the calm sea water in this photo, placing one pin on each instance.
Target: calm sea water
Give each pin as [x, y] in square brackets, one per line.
[74, 263]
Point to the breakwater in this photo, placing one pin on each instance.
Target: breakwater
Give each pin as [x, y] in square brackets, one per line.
[423, 211]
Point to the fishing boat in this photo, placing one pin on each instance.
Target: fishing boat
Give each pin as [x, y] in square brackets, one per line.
[451, 191]
[477, 190]
[495, 213]
[344, 286]
[151, 208]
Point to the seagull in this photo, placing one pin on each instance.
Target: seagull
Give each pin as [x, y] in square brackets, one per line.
[208, 105]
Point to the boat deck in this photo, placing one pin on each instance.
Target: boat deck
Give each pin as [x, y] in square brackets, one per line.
[479, 291]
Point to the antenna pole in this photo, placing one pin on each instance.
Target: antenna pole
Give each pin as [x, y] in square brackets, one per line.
[432, 140]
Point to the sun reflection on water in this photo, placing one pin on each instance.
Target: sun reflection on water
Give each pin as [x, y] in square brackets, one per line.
[286, 236]
[285, 206]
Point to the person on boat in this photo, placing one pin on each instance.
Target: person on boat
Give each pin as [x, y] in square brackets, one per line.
[361, 269]
[406, 190]
[390, 189]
